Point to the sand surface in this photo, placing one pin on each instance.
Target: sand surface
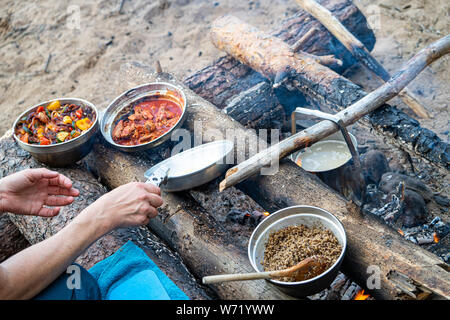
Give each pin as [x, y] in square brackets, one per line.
[90, 43]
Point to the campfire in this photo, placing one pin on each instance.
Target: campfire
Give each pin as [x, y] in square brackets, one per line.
[390, 194]
[361, 296]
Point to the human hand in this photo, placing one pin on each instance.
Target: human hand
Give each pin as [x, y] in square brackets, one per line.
[28, 191]
[132, 204]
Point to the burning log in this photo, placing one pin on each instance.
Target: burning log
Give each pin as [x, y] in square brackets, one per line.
[270, 56]
[255, 108]
[36, 229]
[357, 49]
[226, 77]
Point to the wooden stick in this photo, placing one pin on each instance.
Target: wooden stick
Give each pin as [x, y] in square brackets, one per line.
[298, 272]
[122, 3]
[47, 63]
[301, 42]
[358, 50]
[348, 116]
[158, 68]
[329, 60]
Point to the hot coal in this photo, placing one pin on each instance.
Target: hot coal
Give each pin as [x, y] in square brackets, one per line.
[245, 217]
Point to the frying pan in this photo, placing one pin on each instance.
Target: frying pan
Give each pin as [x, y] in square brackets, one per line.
[191, 168]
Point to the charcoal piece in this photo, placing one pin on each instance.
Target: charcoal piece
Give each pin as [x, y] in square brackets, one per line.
[373, 199]
[442, 200]
[374, 164]
[390, 180]
[245, 217]
[415, 210]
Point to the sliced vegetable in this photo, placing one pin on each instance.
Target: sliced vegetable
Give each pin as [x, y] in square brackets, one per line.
[40, 132]
[67, 120]
[54, 105]
[55, 123]
[27, 130]
[55, 114]
[61, 136]
[44, 141]
[24, 138]
[74, 134]
[84, 124]
[79, 113]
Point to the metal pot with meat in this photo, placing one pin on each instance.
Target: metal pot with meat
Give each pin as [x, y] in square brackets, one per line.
[144, 117]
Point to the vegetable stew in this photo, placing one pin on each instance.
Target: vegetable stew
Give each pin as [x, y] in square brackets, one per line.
[54, 123]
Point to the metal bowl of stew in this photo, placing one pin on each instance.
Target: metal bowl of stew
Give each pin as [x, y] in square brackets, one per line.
[64, 153]
[123, 105]
[298, 215]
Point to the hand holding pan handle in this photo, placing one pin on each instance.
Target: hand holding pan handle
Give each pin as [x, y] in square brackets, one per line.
[159, 177]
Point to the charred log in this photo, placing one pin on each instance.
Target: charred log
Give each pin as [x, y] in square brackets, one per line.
[357, 49]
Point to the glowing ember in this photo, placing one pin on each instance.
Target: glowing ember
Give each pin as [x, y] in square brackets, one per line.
[401, 232]
[361, 296]
[266, 213]
[299, 162]
[435, 238]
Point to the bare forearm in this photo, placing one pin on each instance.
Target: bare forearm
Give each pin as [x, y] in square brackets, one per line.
[30, 271]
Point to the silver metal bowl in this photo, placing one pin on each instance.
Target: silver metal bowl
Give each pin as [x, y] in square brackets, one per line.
[122, 104]
[194, 167]
[297, 215]
[65, 153]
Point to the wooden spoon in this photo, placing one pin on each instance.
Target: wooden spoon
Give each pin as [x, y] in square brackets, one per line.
[298, 272]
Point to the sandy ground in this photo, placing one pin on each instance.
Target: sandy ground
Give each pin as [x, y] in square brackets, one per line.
[90, 42]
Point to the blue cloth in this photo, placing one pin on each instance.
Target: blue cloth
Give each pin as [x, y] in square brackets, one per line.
[129, 274]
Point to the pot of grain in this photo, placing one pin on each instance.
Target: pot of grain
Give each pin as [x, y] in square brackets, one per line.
[290, 235]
